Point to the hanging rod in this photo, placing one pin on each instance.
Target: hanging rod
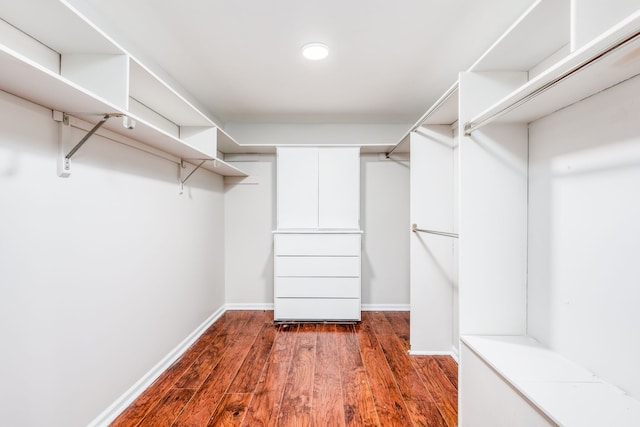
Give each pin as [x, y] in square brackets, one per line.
[414, 228]
[444, 98]
[469, 127]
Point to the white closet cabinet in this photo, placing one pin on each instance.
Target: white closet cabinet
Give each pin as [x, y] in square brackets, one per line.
[318, 187]
[317, 244]
[317, 276]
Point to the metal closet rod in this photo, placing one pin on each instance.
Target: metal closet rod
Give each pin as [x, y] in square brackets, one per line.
[414, 228]
[425, 116]
[469, 127]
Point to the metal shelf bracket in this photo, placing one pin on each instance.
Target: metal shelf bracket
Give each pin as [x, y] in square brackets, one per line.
[64, 139]
[183, 166]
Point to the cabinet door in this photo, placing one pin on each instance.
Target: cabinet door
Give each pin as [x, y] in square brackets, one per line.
[339, 187]
[297, 187]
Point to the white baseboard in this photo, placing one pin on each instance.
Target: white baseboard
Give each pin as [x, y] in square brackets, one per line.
[453, 353]
[127, 398]
[386, 307]
[250, 306]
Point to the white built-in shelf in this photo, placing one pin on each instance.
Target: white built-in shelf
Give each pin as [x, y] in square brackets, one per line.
[84, 73]
[606, 61]
[445, 110]
[35, 83]
[228, 145]
[567, 393]
[540, 32]
[151, 91]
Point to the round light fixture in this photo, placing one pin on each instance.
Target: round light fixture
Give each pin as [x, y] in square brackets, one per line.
[315, 51]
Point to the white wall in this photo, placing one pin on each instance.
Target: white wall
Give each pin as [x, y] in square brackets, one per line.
[384, 217]
[102, 274]
[584, 232]
[250, 219]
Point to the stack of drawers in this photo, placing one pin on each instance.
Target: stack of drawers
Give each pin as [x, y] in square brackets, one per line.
[317, 276]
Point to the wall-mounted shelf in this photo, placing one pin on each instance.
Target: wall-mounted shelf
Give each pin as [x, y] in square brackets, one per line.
[542, 30]
[51, 68]
[606, 61]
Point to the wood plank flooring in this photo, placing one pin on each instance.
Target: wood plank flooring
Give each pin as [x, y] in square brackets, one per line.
[247, 371]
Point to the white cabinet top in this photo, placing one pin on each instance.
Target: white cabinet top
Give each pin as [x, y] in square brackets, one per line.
[317, 231]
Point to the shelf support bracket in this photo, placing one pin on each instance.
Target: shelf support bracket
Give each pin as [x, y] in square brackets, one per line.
[183, 166]
[64, 138]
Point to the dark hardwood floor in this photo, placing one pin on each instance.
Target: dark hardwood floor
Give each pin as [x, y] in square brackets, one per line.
[246, 371]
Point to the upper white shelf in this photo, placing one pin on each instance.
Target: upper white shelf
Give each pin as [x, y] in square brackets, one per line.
[150, 90]
[606, 61]
[83, 72]
[542, 30]
[31, 81]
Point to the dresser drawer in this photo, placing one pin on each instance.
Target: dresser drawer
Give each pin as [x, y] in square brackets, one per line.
[313, 266]
[317, 244]
[317, 309]
[317, 287]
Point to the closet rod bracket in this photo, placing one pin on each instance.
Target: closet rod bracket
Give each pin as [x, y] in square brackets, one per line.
[183, 166]
[64, 139]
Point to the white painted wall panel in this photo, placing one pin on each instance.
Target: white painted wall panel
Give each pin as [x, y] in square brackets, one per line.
[385, 221]
[585, 234]
[101, 274]
[492, 215]
[250, 217]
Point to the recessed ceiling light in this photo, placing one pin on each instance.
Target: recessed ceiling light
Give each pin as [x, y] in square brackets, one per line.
[315, 51]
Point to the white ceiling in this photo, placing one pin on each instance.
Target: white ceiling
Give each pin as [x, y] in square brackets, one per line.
[241, 59]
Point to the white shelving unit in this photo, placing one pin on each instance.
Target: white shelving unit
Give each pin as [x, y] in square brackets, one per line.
[63, 62]
[546, 148]
[526, 341]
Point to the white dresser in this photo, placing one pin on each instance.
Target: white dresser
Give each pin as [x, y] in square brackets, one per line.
[317, 245]
[317, 276]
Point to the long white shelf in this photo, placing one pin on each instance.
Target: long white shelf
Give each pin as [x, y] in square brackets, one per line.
[29, 80]
[542, 30]
[606, 61]
[567, 393]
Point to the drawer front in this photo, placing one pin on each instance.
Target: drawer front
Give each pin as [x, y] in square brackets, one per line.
[317, 244]
[317, 309]
[317, 287]
[312, 266]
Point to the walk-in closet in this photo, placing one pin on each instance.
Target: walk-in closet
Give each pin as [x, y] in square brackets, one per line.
[320, 213]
